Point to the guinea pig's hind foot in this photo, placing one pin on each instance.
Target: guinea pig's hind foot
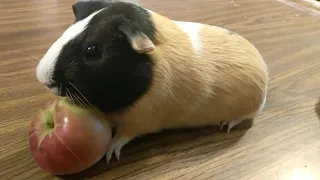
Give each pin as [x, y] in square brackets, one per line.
[230, 124]
[116, 145]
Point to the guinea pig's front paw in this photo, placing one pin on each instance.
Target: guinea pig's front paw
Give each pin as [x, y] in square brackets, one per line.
[116, 145]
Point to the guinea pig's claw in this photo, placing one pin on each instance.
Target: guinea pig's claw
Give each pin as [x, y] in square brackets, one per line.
[230, 124]
[233, 123]
[116, 145]
[108, 157]
[222, 124]
[117, 152]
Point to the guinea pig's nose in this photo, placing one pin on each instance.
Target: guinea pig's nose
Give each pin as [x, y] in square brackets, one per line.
[46, 83]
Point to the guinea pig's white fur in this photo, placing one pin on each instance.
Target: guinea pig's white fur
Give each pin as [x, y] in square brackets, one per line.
[204, 75]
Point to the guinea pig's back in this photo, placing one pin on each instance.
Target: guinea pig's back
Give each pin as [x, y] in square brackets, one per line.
[238, 74]
[203, 74]
[227, 76]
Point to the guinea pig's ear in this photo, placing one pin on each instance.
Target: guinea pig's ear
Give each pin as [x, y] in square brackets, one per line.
[138, 40]
[84, 8]
[80, 10]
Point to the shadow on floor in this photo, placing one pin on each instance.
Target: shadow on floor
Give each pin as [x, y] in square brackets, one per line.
[166, 143]
[317, 108]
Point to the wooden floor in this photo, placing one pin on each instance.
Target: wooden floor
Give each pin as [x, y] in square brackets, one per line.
[282, 143]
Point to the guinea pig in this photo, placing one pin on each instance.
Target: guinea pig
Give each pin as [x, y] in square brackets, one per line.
[147, 72]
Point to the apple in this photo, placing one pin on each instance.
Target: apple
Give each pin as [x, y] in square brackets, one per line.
[66, 139]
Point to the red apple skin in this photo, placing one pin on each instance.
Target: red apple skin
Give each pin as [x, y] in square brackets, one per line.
[77, 141]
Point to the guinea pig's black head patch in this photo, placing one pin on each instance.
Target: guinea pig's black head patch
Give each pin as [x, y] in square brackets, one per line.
[101, 59]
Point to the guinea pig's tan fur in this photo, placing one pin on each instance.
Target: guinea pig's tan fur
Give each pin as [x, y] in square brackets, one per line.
[225, 81]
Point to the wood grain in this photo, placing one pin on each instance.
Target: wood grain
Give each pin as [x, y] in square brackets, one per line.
[282, 143]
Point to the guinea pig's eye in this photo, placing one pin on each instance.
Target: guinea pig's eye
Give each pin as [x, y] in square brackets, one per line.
[92, 52]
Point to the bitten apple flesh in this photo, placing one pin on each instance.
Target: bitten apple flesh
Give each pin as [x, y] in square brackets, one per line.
[67, 139]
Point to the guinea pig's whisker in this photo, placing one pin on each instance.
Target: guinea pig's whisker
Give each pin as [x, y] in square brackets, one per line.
[84, 101]
[70, 95]
[81, 101]
[81, 94]
[88, 106]
[74, 99]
